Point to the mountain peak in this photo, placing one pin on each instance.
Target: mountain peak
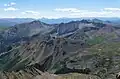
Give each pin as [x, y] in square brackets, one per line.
[36, 21]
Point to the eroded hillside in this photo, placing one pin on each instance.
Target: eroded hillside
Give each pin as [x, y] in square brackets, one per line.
[86, 49]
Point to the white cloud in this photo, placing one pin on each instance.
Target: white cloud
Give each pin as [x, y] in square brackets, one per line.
[10, 4]
[10, 9]
[77, 13]
[96, 14]
[67, 10]
[91, 14]
[31, 12]
[112, 9]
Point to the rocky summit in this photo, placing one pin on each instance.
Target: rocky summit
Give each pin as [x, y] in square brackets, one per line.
[86, 49]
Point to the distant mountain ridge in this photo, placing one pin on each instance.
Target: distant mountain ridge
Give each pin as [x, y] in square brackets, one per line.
[65, 20]
[7, 22]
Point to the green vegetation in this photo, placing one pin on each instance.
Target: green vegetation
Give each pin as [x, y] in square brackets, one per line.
[106, 48]
[3, 28]
[96, 40]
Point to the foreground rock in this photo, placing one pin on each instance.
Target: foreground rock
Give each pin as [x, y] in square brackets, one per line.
[26, 75]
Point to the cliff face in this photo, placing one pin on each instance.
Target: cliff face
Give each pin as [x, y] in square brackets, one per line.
[67, 27]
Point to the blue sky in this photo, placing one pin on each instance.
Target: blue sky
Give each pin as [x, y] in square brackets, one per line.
[59, 8]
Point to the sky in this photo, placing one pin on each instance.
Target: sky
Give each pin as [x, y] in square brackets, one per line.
[59, 8]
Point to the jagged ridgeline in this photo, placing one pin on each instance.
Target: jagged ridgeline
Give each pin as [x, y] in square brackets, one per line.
[86, 49]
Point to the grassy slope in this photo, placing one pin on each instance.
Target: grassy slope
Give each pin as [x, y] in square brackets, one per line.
[3, 28]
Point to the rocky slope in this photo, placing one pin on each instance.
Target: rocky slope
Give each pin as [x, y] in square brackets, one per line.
[21, 32]
[88, 48]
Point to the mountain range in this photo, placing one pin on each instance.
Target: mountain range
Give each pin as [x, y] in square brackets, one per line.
[83, 49]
